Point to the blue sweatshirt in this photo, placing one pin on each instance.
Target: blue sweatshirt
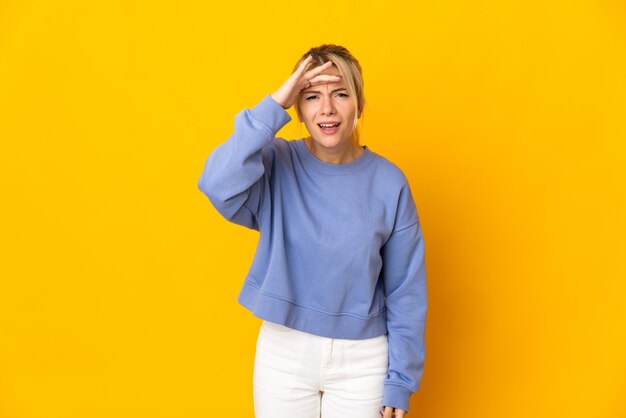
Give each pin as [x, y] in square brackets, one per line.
[340, 251]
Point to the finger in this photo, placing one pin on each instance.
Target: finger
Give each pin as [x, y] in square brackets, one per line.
[315, 71]
[304, 64]
[388, 412]
[400, 413]
[324, 79]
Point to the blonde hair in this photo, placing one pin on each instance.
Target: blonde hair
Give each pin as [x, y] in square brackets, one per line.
[351, 73]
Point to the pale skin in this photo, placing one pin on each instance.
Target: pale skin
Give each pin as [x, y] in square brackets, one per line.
[325, 99]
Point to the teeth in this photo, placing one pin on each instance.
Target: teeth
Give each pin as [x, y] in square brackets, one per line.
[328, 126]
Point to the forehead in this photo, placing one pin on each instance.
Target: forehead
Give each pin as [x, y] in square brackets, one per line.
[332, 70]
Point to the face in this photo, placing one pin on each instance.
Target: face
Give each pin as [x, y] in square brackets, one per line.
[328, 104]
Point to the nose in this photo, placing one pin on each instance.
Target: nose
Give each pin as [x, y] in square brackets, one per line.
[327, 107]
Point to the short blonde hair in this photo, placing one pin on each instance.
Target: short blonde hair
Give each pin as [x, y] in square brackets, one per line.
[351, 73]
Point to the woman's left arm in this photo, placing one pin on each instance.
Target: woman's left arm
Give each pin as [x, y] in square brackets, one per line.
[404, 276]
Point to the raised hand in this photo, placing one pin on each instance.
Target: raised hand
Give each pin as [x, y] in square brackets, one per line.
[287, 93]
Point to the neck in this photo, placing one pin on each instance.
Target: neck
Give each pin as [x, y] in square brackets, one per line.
[341, 154]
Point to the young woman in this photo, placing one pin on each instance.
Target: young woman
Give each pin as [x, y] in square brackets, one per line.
[339, 275]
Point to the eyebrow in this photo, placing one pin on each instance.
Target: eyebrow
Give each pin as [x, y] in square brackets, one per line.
[315, 91]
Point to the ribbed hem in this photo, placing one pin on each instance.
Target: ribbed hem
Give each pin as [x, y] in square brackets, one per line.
[396, 396]
[313, 321]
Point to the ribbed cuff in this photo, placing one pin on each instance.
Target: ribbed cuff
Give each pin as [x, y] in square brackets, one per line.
[397, 396]
[270, 114]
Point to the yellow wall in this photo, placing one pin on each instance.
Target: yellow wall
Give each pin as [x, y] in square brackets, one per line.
[119, 280]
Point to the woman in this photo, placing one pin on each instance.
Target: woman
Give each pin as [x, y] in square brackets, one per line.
[338, 277]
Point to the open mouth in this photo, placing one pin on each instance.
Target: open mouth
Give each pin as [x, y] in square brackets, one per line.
[329, 128]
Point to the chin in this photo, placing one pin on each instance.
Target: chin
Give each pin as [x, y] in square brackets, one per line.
[329, 141]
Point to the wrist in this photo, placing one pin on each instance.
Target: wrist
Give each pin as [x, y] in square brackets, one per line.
[279, 101]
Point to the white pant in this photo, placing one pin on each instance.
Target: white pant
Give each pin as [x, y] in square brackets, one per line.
[302, 375]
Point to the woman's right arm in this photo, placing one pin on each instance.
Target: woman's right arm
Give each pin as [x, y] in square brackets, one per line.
[233, 176]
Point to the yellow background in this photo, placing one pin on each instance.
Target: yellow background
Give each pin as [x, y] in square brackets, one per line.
[119, 280]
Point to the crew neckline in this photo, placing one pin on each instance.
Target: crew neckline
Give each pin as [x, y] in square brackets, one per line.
[331, 168]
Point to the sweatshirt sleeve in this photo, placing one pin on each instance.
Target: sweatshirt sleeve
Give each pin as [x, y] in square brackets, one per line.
[404, 276]
[233, 175]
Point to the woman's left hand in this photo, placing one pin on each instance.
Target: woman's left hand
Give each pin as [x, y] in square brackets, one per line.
[391, 412]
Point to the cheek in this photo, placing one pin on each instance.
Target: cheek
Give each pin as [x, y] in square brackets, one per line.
[347, 108]
[307, 113]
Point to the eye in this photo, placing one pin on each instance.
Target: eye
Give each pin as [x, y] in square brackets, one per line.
[310, 97]
[343, 95]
